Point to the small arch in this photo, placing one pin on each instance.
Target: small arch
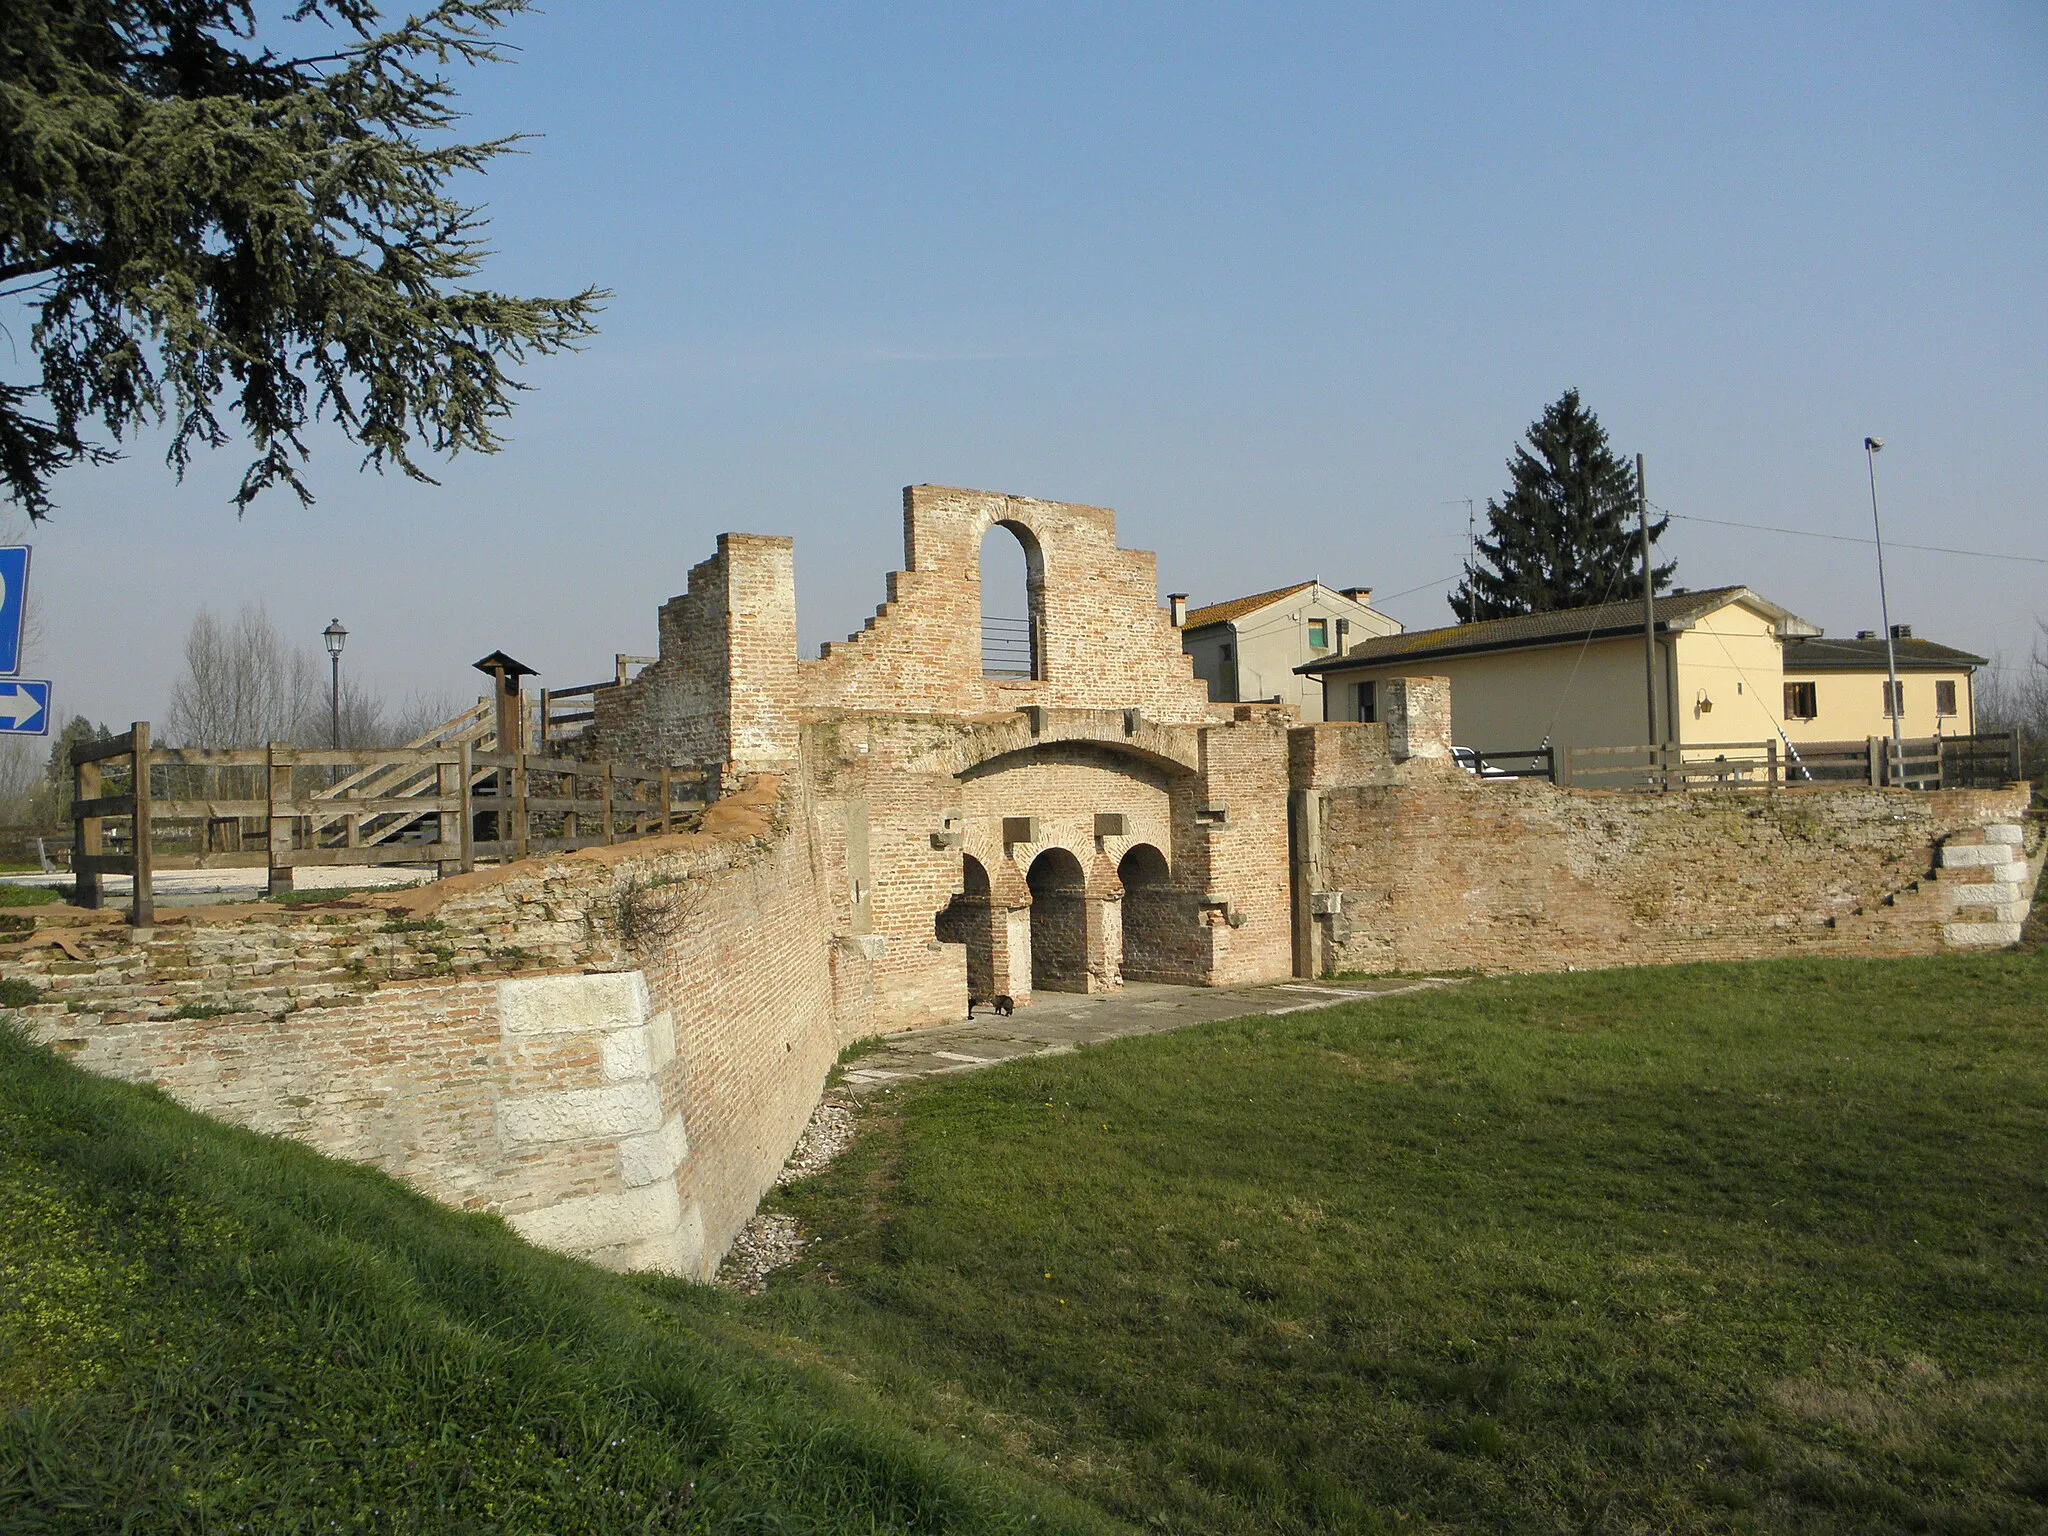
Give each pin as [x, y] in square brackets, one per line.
[969, 919]
[1156, 940]
[1012, 577]
[1059, 922]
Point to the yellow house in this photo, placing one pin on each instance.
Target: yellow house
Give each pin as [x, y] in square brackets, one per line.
[1577, 677]
[1836, 690]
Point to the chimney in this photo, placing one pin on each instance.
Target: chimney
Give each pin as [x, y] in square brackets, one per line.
[1902, 631]
[1360, 595]
[1177, 608]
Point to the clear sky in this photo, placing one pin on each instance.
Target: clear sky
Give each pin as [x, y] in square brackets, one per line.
[1282, 284]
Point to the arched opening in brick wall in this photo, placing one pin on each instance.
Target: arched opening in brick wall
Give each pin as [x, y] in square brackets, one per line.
[1059, 922]
[1012, 603]
[967, 919]
[1154, 944]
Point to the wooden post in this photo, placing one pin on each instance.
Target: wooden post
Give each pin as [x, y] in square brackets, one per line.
[444, 789]
[142, 905]
[279, 761]
[571, 823]
[465, 770]
[86, 842]
[2013, 772]
[541, 731]
[667, 796]
[608, 837]
[1875, 747]
[1771, 764]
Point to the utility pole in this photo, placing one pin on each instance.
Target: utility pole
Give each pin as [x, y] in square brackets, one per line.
[1649, 609]
[1894, 705]
[1471, 536]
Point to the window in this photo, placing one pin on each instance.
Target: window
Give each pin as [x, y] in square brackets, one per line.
[1801, 702]
[1319, 634]
[1894, 699]
[1368, 701]
[1945, 698]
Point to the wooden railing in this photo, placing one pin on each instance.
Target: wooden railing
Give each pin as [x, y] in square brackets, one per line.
[1931, 762]
[138, 808]
[559, 725]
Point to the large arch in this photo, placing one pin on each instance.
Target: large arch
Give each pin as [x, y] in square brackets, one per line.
[1155, 943]
[1059, 922]
[1012, 609]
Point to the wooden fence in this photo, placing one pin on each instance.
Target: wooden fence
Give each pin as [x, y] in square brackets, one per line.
[1932, 762]
[138, 808]
[557, 724]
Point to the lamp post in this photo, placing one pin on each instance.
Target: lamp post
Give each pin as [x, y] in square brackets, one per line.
[336, 637]
[1894, 705]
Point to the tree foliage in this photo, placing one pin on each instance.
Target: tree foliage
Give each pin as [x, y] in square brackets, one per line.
[1564, 535]
[194, 223]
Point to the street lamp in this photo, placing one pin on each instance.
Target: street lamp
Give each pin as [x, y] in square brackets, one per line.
[1894, 705]
[336, 637]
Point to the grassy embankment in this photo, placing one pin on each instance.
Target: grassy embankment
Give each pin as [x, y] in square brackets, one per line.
[205, 1330]
[1745, 1248]
[1718, 1248]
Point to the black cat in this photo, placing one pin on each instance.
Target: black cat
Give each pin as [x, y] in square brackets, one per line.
[1004, 1005]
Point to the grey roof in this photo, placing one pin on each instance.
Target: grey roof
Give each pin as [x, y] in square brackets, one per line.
[1818, 655]
[1560, 626]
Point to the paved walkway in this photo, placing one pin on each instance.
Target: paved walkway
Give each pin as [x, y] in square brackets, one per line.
[1056, 1022]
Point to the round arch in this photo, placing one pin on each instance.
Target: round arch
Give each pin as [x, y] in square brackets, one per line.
[1012, 622]
[1059, 922]
[1156, 942]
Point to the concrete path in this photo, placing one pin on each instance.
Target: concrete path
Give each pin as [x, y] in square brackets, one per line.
[1056, 1022]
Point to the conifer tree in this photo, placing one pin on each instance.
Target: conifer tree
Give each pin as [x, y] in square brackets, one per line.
[196, 224]
[1564, 535]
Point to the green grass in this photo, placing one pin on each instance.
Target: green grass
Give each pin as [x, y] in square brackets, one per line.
[203, 1330]
[1717, 1248]
[323, 896]
[27, 896]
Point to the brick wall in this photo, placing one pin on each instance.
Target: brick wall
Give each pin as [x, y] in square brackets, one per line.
[1422, 866]
[615, 1048]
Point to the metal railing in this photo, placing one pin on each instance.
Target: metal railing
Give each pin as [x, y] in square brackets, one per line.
[1008, 648]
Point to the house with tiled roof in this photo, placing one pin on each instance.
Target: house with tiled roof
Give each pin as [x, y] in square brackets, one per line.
[1840, 690]
[1248, 649]
[1577, 677]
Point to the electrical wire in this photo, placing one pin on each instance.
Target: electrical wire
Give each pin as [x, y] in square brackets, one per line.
[1844, 538]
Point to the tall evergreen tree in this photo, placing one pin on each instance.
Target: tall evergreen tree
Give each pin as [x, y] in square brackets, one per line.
[198, 224]
[1564, 536]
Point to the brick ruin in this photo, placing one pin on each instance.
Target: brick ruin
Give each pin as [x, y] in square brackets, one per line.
[615, 1049]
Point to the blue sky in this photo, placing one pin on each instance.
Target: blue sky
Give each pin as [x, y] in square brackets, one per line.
[1280, 284]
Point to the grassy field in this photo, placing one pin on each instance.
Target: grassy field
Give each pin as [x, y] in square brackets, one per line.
[205, 1331]
[1741, 1248]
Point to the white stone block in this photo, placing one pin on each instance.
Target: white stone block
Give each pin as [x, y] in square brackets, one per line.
[645, 1159]
[1975, 855]
[1980, 935]
[1992, 893]
[2003, 832]
[559, 1005]
[661, 1039]
[581, 1114]
[625, 1056]
[603, 1221]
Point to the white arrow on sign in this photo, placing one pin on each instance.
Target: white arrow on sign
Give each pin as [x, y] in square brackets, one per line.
[23, 706]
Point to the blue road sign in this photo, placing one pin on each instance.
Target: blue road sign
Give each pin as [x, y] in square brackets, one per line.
[13, 605]
[24, 708]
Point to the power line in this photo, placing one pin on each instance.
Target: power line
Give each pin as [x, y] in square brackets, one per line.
[1844, 538]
